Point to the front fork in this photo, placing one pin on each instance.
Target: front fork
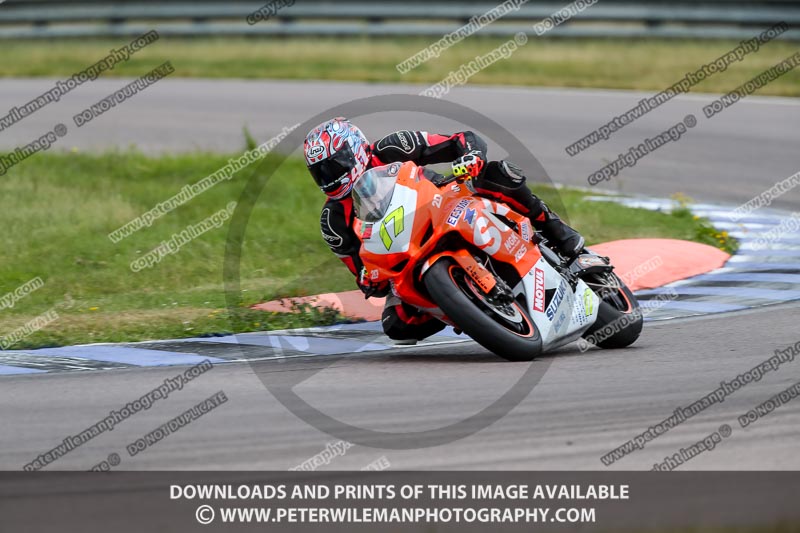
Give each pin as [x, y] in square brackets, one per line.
[476, 271]
[496, 291]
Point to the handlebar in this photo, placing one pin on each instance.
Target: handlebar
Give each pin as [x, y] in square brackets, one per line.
[449, 178]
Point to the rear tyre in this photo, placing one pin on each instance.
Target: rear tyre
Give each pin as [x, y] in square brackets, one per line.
[619, 317]
[507, 331]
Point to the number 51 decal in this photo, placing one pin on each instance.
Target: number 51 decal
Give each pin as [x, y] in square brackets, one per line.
[396, 217]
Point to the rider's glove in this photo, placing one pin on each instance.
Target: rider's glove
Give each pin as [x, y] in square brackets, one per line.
[470, 164]
[370, 289]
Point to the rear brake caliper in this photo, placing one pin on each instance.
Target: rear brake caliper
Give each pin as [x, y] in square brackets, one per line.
[590, 264]
[597, 271]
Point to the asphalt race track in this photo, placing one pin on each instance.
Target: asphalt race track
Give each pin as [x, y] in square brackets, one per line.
[584, 405]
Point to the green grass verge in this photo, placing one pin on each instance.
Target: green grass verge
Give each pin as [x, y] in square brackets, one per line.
[650, 65]
[60, 207]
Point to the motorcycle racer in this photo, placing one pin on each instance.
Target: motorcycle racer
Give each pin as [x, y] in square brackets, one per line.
[337, 153]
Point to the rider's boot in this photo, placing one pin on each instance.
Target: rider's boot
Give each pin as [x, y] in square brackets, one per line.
[406, 324]
[505, 181]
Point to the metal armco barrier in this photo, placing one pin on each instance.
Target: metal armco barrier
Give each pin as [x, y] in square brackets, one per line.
[730, 19]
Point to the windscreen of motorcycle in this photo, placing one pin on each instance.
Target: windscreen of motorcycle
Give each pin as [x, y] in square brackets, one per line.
[392, 232]
[373, 190]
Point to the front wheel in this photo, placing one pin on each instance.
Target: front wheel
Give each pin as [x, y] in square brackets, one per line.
[619, 317]
[506, 330]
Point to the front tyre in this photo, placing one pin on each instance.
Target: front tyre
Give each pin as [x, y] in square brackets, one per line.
[506, 330]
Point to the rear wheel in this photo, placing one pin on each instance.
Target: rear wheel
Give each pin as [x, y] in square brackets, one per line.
[506, 329]
[619, 317]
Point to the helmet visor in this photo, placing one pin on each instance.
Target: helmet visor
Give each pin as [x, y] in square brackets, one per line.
[329, 172]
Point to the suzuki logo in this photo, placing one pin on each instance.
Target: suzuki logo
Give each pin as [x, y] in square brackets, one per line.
[557, 298]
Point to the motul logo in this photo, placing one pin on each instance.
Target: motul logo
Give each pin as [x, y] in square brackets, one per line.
[538, 290]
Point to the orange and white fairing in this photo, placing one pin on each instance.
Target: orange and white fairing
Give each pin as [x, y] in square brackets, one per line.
[408, 233]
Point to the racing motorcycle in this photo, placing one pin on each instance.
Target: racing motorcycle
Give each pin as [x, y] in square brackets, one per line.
[479, 266]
